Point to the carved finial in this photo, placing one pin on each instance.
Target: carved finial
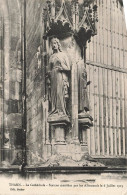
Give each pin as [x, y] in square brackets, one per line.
[51, 8]
[75, 14]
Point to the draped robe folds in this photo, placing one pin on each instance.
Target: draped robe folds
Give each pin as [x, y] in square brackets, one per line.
[59, 65]
[82, 87]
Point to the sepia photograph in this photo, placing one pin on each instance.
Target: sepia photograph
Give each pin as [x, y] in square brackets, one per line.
[63, 97]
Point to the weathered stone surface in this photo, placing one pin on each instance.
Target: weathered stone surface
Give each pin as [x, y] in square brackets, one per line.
[14, 120]
[34, 84]
[66, 161]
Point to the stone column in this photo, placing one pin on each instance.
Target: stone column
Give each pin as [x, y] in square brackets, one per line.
[84, 124]
[74, 103]
[6, 40]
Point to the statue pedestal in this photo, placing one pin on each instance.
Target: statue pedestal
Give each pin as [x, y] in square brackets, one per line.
[58, 126]
[85, 121]
[73, 153]
[58, 133]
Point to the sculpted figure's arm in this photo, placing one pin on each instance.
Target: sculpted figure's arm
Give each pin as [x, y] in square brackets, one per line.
[65, 63]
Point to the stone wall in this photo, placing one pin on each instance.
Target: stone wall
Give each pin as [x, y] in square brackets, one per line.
[11, 76]
[35, 86]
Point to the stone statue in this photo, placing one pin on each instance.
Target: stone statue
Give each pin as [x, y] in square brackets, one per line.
[82, 88]
[58, 76]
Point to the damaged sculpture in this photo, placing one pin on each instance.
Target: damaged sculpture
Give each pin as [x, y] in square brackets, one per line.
[67, 85]
[58, 69]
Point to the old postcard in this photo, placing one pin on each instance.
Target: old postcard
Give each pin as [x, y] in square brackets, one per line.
[63, 97]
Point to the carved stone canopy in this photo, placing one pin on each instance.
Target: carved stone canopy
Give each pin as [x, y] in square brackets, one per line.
[64, 17]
